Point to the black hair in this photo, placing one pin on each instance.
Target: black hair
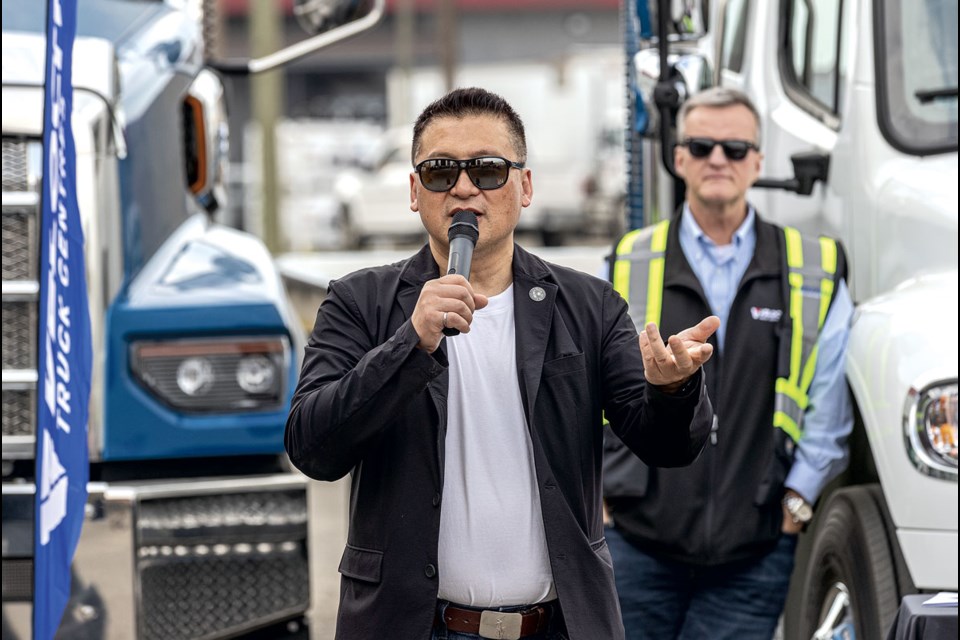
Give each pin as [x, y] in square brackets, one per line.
[472, 101]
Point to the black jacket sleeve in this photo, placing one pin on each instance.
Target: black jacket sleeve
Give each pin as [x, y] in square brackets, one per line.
[664, 430]
[350, 387]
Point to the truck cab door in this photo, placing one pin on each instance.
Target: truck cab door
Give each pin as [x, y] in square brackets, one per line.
[789, 56]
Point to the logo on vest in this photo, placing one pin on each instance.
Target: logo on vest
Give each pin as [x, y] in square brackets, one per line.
[766, 315]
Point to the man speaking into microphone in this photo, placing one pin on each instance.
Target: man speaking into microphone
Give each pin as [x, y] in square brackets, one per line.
[464, 389]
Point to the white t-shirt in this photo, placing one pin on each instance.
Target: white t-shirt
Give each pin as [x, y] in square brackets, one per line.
[493, 551]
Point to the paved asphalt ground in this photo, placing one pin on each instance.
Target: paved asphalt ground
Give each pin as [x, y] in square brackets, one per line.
[328, 535]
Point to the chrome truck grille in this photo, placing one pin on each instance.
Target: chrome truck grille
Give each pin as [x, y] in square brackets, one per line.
[187, 559]
[21, 247]
[17, 579]
[212, 566]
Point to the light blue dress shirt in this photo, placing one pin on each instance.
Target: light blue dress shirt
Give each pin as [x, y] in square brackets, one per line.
[822, 451]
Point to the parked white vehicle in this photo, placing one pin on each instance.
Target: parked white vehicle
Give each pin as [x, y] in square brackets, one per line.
[605, 188]
[858, 102]
[374, 200]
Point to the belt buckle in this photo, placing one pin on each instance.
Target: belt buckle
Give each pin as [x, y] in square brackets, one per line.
[500, 625]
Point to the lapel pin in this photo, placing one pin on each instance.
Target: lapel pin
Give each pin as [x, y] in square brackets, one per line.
[537, 294]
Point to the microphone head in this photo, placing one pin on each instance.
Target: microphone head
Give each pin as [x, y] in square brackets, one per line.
[464, 225]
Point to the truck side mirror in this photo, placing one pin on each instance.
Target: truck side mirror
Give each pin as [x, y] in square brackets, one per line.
[689, 18]
[687, 74]
[808, 168]
[319, 16]
[328, 21]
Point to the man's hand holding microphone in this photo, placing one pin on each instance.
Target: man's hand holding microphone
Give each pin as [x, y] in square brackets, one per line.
[446, 305]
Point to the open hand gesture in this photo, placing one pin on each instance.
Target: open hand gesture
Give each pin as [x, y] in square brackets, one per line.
[669, 366]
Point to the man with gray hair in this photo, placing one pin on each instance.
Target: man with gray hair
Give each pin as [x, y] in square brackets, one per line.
[706, 551]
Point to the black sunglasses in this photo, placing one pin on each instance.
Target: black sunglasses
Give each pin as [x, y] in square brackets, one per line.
[733, 149]
[486, 172]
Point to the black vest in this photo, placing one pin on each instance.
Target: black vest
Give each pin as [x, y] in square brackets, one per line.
[724, 507]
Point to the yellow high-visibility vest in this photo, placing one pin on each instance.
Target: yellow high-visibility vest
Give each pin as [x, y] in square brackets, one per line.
[638, 270]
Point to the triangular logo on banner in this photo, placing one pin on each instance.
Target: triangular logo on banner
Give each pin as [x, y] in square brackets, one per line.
[53, 490]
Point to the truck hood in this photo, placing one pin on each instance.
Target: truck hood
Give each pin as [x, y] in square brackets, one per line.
[23, 60]
[925, 185]
[119, 43]
[906, 339]
[915, 219]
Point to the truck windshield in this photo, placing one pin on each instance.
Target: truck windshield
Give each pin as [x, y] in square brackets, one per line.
[917, 74]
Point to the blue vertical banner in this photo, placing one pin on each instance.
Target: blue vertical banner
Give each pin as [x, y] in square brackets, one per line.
[64, 362]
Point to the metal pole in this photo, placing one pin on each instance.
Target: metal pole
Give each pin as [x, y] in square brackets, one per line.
[448, 30]
[267, 91]
[633, 138]
[404, 33]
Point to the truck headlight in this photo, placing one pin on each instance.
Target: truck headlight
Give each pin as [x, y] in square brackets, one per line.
[930, 423]
[195, 376]
[256, 374]
[227, 375]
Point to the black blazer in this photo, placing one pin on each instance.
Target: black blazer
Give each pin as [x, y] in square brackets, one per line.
[371, 404]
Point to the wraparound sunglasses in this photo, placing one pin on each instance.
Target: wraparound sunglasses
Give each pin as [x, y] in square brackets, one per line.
[485, 172]
[703, 147]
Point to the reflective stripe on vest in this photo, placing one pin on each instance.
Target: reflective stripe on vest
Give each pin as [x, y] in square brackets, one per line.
[811, 267]
[645, 249]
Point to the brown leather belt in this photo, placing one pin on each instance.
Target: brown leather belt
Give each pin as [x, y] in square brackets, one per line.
[504, 625]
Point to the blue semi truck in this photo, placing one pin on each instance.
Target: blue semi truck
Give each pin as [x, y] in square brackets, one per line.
[195, 525]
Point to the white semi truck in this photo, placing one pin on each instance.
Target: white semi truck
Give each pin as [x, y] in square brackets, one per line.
[858, 108]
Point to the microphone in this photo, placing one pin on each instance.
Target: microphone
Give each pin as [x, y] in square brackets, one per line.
[463, 234]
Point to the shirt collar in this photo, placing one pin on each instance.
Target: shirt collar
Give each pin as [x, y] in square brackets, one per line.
[689, 227]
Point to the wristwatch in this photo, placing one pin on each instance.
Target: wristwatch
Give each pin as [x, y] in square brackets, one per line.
[798, 508]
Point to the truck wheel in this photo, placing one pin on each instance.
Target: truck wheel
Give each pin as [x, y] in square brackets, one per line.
[850, 586]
